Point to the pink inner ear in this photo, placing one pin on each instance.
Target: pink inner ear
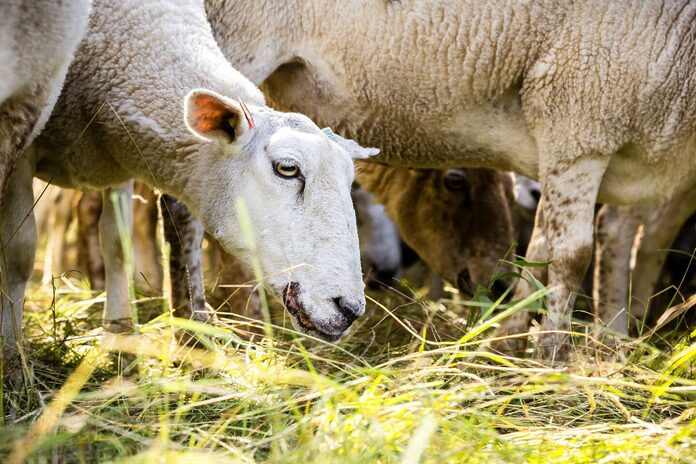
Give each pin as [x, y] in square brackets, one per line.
[209, 114]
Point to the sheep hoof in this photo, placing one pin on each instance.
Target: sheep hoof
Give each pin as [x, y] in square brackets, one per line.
[12, 375]
[552, 347]
[118, 325]
[515, 345]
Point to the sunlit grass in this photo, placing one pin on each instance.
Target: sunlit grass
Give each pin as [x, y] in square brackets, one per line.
[410, 384]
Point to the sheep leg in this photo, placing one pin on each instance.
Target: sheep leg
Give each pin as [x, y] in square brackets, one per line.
[117, 311]
[148, 258]
[519, 322]
[615, 233]
[185, 236]
[569, 195]
[661, 227]
[18, 248]
[59, 221]
[89, 210]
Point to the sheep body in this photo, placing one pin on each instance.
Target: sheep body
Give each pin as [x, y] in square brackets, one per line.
[37, 41]
[487, 78]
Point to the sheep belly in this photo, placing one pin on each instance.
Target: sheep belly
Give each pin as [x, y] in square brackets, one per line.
[635, 177]
[500, 133]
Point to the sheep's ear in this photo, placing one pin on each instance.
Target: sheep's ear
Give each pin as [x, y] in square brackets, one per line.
[211, 116]
[354, 150]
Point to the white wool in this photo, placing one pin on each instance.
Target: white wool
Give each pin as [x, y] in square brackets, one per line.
[37, 41]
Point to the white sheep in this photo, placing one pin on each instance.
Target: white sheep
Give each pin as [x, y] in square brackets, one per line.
[593, 105]
[120, 117]
[37, 41]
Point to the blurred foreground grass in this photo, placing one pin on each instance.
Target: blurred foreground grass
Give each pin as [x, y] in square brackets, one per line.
[409, 384]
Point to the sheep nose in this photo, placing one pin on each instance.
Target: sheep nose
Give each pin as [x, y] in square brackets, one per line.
[350, 309]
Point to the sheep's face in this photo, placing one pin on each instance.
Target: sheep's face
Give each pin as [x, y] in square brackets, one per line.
[457, 220]
[276, 192]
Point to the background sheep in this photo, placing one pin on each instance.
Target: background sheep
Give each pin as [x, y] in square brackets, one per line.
[458, 221]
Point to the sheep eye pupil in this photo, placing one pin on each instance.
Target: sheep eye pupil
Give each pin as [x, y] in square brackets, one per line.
[287, 170]
[455, 180]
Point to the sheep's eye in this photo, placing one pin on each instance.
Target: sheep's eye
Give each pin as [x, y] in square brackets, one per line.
[286, 169]
[455, 180]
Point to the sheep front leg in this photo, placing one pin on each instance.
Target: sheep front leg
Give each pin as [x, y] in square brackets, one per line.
[569, 196]
[17, 250]
[519, 322]
[117, 311]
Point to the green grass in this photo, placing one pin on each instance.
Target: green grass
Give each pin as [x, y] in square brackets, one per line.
[410, 384]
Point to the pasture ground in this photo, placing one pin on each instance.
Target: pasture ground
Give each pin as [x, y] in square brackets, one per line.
[409, 385]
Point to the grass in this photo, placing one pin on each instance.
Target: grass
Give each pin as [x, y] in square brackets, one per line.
[410, 384]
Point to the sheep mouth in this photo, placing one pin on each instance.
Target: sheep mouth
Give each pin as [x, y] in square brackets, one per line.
[294, 306]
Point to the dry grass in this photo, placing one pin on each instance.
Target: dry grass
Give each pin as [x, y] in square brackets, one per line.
[411, 384]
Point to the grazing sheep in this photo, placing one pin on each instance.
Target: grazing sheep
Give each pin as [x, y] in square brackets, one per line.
[120, 117]
[380, 248]
[594, 106]
[37, 41]
[457, 220]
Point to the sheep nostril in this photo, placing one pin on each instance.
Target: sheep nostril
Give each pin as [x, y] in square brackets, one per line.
[498, 288]
[350, 309]
[464, 282]
[536, 194]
